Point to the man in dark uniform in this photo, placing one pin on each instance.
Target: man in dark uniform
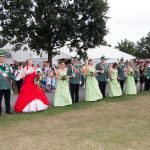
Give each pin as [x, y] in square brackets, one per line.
[147, 81]
[121, 73]
[74, 72]
[102, 75]
[5, 85]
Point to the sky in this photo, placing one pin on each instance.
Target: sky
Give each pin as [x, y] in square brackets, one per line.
[129, 19]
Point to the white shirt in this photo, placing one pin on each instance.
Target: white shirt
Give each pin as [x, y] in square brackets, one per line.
[39, 69]
[18, 74]
[48, 80]
[47, 69]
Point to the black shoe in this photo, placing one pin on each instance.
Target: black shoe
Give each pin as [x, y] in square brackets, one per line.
[9, 112]
[0, 113]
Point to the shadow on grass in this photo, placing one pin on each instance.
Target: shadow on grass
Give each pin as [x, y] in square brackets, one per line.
[17, 117]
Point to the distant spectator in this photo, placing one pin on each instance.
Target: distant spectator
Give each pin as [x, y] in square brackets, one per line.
[18, 77]
[47, 68]
[54, 82]
[49, 81]
[12, 68]
[39, 68]
[43, 81]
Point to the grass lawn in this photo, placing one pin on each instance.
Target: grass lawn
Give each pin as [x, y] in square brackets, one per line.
[111, 124]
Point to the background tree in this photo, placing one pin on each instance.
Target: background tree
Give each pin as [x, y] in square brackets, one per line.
[2, 43]
[50, 24]
[127, 47]
[143, 47]
[105, 43]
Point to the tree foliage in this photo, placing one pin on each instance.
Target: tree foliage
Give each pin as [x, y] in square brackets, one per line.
[143, 47]
[126, 46]
[50, 24]
[140, 49]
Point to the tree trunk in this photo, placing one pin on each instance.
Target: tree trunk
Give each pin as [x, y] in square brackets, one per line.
[50, 58]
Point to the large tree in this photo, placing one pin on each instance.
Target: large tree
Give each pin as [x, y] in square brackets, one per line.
[2, 43]
[143, 47]
[50, 24]
[126, 46]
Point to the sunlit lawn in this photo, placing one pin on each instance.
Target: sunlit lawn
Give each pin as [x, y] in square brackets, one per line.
[112, 124]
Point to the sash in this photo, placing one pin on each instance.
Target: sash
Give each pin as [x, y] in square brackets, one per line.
[3, 73]
[6, 76]
[75, 74]
[101, 66]
[122, 67]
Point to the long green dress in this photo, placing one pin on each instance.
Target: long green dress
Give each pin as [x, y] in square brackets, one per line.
[131, 86]
[115, 89]
[92, 92]
[62, 95]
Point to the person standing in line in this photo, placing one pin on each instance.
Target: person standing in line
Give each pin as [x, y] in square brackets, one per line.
[102, 75]
[5, 84]
[92, 92]
[131, 88]
[62, 95]
[18, 77]
[147, 81]
[136, 70]
[115, 89]
[31, 97]
[142, 76]
[74, 73]
[121, 73]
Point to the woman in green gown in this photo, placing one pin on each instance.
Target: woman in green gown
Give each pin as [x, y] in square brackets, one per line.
[92, 92]
[115, 89]
[130, 85]
[62, 95]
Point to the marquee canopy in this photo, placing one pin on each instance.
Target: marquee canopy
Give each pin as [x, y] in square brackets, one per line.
[95, 53]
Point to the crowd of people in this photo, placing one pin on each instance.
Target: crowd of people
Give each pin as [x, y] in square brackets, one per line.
[65, 80]
[48, 81]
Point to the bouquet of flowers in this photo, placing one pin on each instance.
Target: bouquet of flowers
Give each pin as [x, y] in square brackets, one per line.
[132, 73]
[91, 74]
[38, 78]
[64, 77]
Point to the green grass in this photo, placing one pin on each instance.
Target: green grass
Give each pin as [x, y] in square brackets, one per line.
[121, 123]
[17, 117]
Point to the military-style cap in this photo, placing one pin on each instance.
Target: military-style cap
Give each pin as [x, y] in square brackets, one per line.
[122, 60]
[103, 58]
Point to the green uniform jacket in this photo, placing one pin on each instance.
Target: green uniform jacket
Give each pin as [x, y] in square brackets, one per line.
[102, 76]
[148, 72]
[137, 72]
[121, 72]
[76, 78]
[4, 83]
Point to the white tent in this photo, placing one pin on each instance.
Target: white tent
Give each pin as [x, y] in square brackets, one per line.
[108, 52]
[95, 53]
[98, 52]
[22, 55]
